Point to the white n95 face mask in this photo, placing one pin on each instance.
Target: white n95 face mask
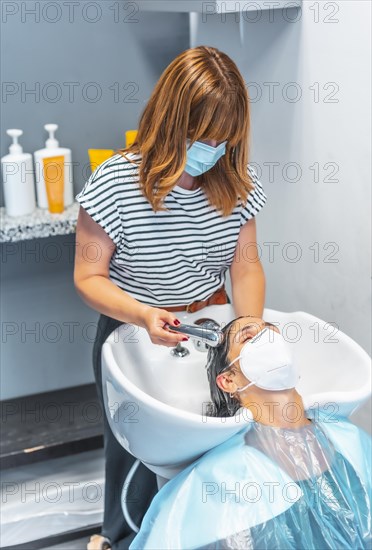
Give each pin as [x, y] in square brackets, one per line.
[267, 361]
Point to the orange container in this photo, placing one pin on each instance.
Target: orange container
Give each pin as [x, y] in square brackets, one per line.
[54, 177]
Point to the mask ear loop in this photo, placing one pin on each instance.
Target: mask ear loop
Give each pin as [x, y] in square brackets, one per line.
[243, 388]
[238, 389]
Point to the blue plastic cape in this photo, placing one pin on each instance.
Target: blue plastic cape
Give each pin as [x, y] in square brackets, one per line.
[269, 488]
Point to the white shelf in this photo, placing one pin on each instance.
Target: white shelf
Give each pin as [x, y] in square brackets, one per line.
[214, 6]
[41, 223]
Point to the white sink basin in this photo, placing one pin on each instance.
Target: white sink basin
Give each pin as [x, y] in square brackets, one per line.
[156, 403]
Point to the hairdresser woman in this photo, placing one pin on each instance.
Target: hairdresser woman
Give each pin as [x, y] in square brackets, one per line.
[170, 214]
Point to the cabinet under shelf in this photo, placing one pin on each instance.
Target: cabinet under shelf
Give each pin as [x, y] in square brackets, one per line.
[49, 425]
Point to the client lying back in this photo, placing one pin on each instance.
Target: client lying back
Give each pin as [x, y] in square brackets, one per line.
[292, 479]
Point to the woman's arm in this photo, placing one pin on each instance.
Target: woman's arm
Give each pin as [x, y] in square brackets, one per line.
[93, 252]
[94, 249]
[247, 274]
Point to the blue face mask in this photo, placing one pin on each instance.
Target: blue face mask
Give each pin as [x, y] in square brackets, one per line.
[202, 157]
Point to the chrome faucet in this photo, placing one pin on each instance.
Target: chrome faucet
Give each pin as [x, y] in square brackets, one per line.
[210, 335]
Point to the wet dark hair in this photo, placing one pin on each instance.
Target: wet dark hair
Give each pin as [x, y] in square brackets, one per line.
[221, 402]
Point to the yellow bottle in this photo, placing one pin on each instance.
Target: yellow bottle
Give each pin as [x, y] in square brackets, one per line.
[53, 150]
[130, 136]
[97, 156]
[54, 177]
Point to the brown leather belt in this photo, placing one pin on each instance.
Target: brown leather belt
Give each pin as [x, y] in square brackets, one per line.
[218, 297]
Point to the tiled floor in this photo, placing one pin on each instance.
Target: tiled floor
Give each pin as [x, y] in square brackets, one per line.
[46, 498]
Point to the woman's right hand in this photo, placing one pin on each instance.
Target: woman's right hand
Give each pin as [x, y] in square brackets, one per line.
[154, 320]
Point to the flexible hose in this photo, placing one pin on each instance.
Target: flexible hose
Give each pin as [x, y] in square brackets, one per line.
[124, 493]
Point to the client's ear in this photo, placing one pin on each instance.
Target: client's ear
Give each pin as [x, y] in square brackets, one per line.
[225, 381]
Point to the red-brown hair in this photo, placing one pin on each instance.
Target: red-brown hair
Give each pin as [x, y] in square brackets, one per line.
[200, 95]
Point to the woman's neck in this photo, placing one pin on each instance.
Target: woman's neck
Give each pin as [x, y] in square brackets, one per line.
[280, 409]
[186, 181]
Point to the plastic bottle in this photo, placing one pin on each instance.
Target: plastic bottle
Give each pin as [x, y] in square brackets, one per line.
[52, 149]
[18, 178]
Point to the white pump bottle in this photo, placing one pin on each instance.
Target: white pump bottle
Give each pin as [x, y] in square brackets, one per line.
[18, 178]
[52, 149]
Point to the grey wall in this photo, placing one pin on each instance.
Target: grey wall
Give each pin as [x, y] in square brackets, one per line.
[47, 330]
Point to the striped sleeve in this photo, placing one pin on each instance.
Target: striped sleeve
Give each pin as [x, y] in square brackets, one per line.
[256, 199]
[99, 198]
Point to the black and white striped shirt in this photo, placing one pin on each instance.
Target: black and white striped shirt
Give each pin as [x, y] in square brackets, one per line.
[164, 258]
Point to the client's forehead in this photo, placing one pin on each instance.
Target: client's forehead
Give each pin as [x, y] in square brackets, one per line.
[238, 324]
[256, 323]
